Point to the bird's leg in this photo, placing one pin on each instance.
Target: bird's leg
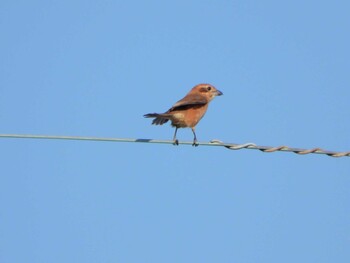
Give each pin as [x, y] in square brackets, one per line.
[194, 138]
[176, 142]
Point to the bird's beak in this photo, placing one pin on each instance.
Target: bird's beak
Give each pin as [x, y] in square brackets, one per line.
[219, 93]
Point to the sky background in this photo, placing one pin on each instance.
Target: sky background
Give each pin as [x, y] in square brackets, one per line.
[93, 68]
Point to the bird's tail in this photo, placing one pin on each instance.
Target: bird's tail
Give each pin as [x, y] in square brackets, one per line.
[160, 119]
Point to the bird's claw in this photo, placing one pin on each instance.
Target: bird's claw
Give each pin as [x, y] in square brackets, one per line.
[176, 142]
[195, 143]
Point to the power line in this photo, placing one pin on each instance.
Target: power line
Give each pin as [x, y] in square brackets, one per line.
[231, 146]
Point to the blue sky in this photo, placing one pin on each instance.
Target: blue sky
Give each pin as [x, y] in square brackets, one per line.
[93, 68]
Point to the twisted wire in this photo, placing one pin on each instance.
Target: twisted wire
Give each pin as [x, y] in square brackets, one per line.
[283, 148]
[231, 146]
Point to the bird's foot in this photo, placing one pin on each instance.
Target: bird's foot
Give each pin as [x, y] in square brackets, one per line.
[176, 142]
[195, 143]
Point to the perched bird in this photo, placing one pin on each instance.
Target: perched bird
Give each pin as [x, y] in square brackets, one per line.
[187, 112]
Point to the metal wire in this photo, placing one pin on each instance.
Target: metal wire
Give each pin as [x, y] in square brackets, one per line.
[231, 146]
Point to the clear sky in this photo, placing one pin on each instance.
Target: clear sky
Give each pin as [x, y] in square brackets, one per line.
[93, 68]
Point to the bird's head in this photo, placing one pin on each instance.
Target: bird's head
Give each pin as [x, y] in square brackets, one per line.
[207, 90]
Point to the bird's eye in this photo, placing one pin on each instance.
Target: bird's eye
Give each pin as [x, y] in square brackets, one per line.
[209, 88]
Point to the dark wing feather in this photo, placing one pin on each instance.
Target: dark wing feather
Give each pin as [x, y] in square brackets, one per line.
[189, 100]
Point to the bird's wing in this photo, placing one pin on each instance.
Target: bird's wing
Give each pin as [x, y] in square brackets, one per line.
[189, 100]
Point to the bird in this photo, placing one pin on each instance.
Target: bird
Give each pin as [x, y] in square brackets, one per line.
[187, 112]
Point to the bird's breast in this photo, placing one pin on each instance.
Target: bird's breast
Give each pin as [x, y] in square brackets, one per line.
[189, 117]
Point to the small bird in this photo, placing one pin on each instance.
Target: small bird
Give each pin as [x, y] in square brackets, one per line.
[187, 112]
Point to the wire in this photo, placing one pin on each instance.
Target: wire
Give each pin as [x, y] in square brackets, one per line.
[231, 146]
